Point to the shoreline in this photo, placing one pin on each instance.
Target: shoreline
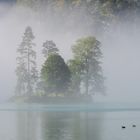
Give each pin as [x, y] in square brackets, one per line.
[51, 100]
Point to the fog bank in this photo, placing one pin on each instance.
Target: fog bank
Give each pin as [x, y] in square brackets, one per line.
[120, 46]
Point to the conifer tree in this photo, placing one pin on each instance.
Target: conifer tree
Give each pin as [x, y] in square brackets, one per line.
[26, 64]
[49, 47]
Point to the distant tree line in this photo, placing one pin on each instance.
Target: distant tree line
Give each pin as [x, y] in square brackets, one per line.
[80, 76]
[97, 13]
[116, 5]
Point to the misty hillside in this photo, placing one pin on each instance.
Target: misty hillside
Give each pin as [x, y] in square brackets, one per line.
[94, 16]
[112, 6]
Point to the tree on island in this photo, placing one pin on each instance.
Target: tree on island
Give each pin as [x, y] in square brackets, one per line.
[87, 55]
[75, 67]
[49, 47]
[56, 75]
[26, 64]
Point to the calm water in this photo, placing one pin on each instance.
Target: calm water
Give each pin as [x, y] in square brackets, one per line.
[94, 122]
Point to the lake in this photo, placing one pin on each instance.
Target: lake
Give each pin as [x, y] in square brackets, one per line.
[69, 122]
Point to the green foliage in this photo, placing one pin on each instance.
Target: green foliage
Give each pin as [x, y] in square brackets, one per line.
[29, 3]
[75, 67]
[56, 74]
[86, 48]
[88, 54]
[26, 65]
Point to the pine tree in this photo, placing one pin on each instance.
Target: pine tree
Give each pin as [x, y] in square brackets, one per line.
[49, 47]
[26, 65]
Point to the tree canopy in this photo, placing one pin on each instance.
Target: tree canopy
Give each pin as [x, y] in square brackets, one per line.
[49, 47]
[87, 54]
[56, 74]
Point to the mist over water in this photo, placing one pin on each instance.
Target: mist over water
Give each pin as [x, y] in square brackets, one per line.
[120, 46]
[121, 55]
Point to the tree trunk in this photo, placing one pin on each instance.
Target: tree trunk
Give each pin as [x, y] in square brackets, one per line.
[29, 82]
[87, 78]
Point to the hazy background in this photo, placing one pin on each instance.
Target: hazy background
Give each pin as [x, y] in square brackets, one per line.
[120, 47]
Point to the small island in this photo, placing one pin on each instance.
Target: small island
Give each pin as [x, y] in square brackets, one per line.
[71, 82]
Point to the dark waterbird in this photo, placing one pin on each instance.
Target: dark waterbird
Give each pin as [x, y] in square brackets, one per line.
[123, 127]
[133, 125]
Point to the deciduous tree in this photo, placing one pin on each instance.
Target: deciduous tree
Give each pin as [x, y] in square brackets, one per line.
[87, 51]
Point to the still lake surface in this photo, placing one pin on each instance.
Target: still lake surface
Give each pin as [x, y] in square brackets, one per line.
[69, 122]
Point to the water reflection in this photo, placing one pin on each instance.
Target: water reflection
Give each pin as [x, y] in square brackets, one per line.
[58, 126]
[27, 126]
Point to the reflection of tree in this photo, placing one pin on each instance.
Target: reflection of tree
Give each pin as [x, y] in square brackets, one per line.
[54, 126]
[26, 126]
[21, 127]
[76, 126]
[71, 126]
[59, 126]
[91, 124]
